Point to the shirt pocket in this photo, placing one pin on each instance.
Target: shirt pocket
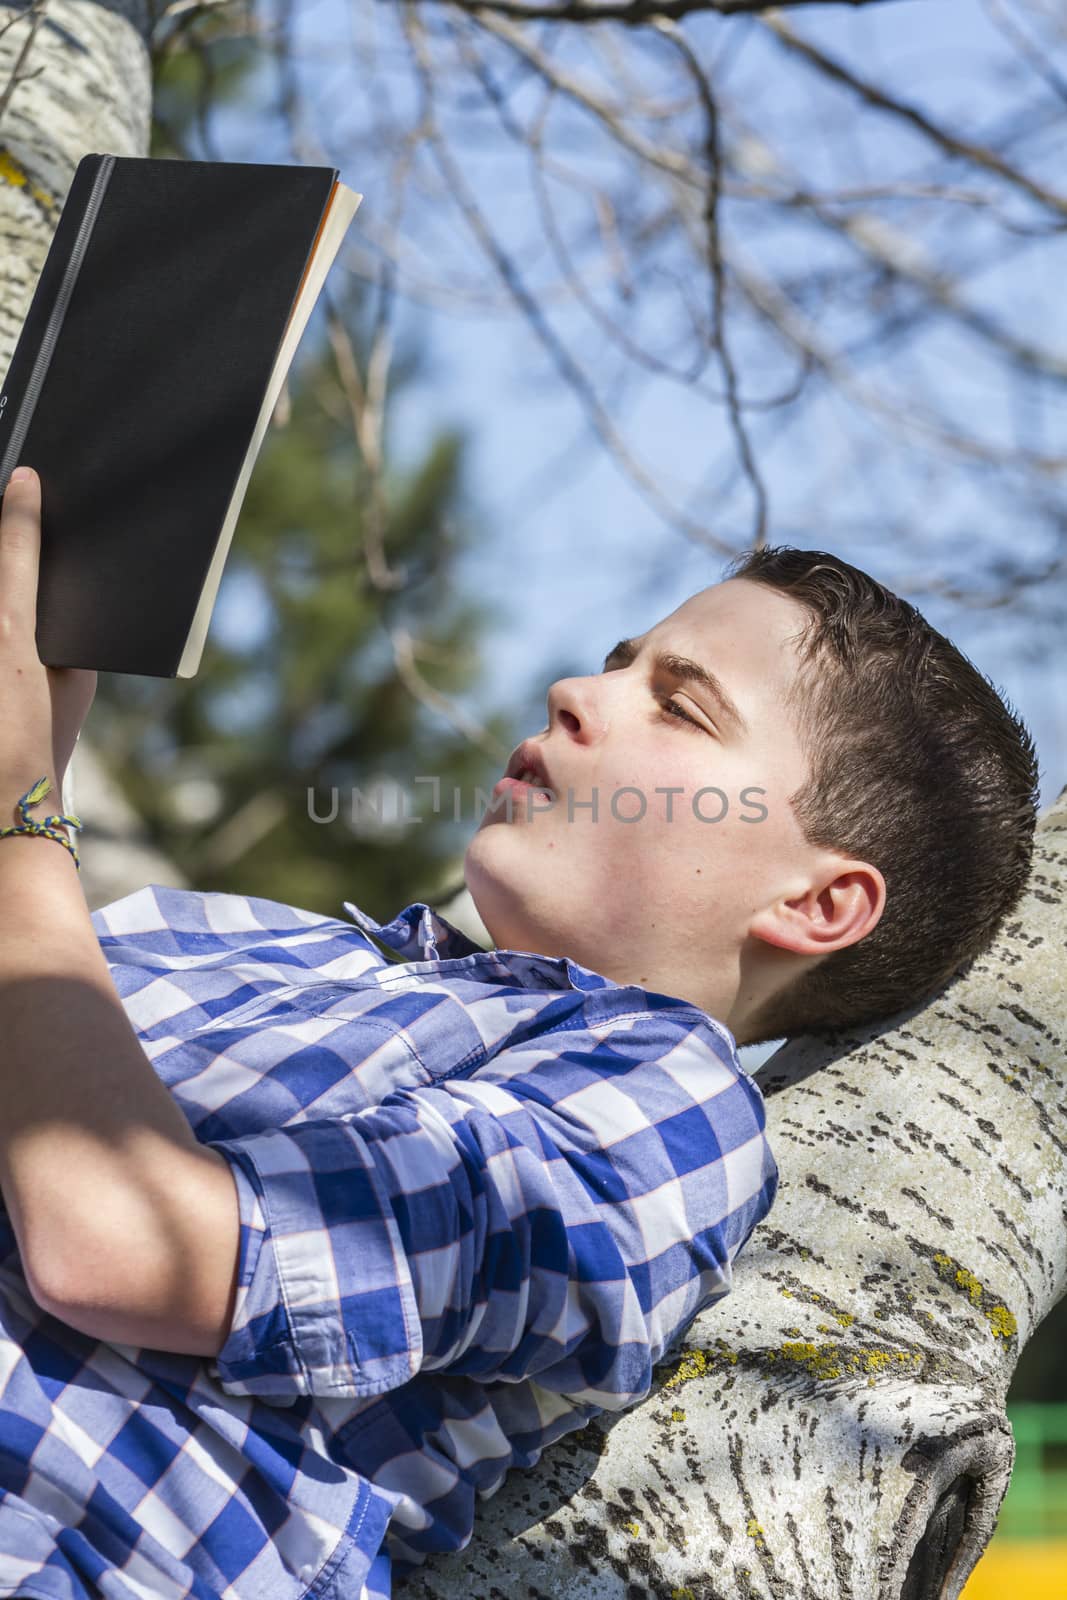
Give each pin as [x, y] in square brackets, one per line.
[294, 1051]
[428, 1024]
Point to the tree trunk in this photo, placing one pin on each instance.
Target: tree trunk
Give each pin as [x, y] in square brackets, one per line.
[835, 1428]
[74, 78]
[83, 84]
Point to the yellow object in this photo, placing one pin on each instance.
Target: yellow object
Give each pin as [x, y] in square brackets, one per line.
[1035, 1570]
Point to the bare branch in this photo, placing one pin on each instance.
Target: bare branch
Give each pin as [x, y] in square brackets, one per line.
[575, 377]
[896, 252]
[541, 166]
[405, 651]
[367, 406]
[980, 155]
[18, 74]
[907, 418]
[1031, 53]
[367, 402]
[674, 164]
[846, 295]
[260, 814]
[862, 233]
[631, 12]
[671, 162]
[718, 274]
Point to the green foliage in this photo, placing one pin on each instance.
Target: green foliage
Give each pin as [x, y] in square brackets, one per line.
[204, 61]
[1040, 1375]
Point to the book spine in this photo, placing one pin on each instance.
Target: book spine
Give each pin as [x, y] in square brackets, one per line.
[16, 410]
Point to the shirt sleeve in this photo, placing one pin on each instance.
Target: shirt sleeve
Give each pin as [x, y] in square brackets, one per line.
[561, 1215]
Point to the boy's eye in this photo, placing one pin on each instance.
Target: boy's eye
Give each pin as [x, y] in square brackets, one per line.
[672, 708]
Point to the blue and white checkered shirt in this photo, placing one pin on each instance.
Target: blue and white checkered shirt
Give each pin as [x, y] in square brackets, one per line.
[481, 1193]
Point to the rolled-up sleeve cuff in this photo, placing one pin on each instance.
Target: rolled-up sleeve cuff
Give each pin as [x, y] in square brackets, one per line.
[325, 1303]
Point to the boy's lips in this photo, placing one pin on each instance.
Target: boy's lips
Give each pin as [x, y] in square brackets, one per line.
[528, 759]
[517, 787]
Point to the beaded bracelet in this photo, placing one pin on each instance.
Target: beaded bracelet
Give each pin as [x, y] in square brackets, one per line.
[50, 827]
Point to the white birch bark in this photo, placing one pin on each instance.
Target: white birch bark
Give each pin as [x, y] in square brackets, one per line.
[835, 1428]
[83, 85]
[75, 78]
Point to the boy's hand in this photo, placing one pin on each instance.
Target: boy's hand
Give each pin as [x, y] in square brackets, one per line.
[42, 709]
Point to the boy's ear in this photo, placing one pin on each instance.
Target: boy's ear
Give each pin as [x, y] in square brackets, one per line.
[839, 910]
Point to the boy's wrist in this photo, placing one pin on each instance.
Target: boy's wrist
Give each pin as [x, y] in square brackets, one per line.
[34, 809]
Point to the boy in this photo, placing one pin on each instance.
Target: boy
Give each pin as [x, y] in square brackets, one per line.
[304, 1249]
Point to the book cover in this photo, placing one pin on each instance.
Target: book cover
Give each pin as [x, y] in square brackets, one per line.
[154, 350]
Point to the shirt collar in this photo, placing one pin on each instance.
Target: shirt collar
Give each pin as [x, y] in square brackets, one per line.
[418, 933]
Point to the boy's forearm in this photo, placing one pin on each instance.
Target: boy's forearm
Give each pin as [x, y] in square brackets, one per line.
[97, 1162]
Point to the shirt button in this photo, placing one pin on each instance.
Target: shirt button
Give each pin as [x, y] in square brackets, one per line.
[307, 1572]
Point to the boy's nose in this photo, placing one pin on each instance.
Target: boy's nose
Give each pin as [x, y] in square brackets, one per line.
[575, 707]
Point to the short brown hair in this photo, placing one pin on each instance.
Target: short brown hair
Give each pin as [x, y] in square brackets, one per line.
[919, 766]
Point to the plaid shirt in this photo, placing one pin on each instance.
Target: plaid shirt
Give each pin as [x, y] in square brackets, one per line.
[481, 1192]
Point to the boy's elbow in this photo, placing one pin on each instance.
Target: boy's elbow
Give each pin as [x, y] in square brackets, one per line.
[153, 1267]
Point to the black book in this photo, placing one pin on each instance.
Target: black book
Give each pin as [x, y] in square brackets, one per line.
[153, 354]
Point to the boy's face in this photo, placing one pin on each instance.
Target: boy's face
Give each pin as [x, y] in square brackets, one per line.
[666, 900]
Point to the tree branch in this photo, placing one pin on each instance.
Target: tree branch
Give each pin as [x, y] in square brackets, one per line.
[575, 377]
[718, 274]
[18, 75]
[634, 13]
[965, 149]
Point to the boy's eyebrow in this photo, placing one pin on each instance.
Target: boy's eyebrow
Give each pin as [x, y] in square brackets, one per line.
[627, 650]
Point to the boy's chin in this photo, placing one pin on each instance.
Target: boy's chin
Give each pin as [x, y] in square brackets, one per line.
[492, 861]
[500, 898]
[486, 884]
